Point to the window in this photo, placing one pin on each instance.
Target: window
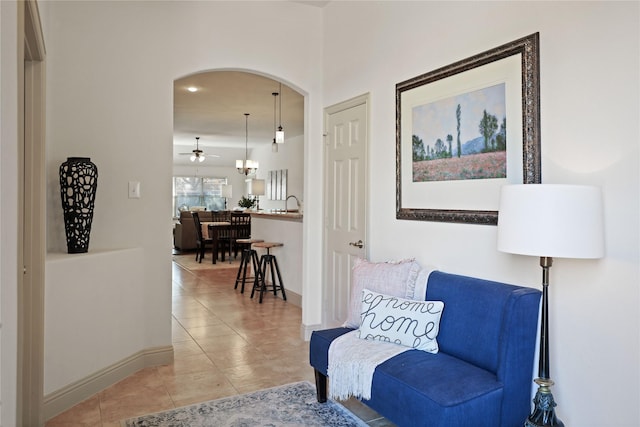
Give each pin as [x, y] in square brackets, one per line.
[190, 191]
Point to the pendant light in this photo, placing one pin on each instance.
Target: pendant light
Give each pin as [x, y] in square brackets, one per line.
[274, 145]
[280, 132]
[247, 166]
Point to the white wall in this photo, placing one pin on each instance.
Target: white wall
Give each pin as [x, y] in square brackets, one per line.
[110, 72]
[589, 108]
[290, 156]
[8, 210]
[80, 314]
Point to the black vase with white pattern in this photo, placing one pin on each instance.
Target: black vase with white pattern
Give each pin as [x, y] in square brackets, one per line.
[78, 183]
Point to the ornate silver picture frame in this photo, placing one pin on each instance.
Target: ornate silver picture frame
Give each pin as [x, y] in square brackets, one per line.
[514, 65]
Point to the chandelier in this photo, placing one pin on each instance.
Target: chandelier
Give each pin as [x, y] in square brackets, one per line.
[246, 167]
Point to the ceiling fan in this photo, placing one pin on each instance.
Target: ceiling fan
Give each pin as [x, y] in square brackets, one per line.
[198, 154]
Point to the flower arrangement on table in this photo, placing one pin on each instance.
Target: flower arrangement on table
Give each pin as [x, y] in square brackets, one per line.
[246, 202]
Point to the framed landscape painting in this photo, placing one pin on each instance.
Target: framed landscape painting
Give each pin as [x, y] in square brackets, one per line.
[464, 130]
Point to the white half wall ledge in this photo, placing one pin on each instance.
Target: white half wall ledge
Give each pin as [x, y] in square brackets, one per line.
[62, 256]
[95, 302]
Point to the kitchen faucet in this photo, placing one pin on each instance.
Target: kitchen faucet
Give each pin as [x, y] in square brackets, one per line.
[287, 200]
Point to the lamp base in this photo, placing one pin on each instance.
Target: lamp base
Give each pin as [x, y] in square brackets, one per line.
[544, 413]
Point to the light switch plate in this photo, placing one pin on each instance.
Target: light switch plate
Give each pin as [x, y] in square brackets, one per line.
[134, 189]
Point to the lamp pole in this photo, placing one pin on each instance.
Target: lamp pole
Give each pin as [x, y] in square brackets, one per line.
[544, 413]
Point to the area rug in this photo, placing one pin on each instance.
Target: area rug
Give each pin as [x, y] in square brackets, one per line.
[188, 261]
[285, 406]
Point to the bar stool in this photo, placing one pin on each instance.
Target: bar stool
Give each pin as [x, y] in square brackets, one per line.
[268, 261]
[249, 255]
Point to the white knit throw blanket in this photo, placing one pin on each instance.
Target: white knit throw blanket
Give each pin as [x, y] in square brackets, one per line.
[352, 362]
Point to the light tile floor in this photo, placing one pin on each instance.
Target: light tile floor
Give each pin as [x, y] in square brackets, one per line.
[225, 343]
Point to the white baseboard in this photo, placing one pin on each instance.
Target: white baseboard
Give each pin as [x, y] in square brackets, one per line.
[293, 298]
[65, 398]
[306, 330]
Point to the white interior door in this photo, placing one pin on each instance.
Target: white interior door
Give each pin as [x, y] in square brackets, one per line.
[346, 136]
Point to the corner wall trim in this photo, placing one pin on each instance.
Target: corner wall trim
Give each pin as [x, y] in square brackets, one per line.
[294, 298]
[306, 330]
[60, 400]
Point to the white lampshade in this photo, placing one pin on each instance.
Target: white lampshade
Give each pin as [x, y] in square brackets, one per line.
[239, 164]
[551, 220]
[256, 187]
[227, 191]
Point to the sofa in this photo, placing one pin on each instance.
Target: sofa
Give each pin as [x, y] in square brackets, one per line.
[184, 232]
[481, 372]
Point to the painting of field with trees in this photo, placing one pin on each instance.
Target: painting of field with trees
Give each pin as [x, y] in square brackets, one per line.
[462, 137]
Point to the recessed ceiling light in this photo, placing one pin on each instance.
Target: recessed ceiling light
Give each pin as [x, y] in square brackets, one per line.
[192, 89]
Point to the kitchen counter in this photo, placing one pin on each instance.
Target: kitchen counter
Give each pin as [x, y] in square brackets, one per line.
[285, 228]
[278, 215]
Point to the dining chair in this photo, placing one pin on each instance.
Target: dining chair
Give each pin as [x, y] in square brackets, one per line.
[240, 230]
[223, 242]
[201, 242]
[220, 216]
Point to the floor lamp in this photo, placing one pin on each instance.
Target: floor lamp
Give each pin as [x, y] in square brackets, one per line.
[227, 193]
[547, 220]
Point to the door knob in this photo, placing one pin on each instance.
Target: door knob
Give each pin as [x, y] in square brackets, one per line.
[357, 244]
